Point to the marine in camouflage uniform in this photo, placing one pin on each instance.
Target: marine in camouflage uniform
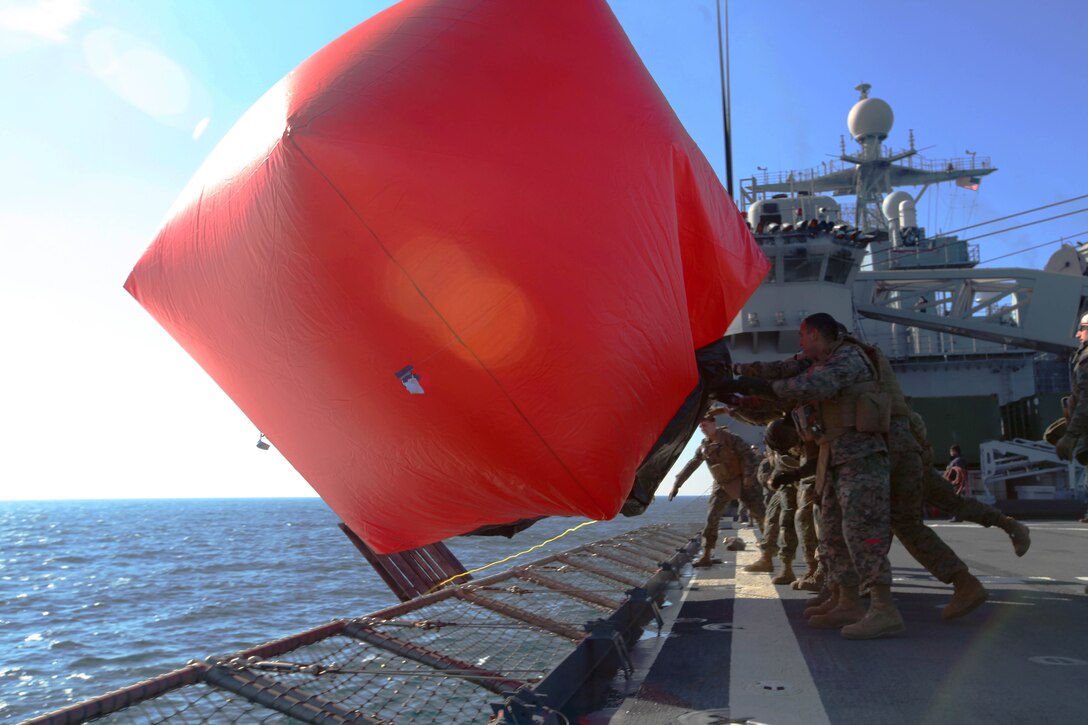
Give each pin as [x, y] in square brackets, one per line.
[732, 465]
[790, 466]
[807, 501]
[1073, 442]
[852, 471]
[906, 479]
[801, 497]
[939, 491]
[795, 491]
[778, 525]
[856, 495]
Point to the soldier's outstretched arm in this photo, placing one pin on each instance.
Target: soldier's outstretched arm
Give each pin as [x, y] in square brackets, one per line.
[756, 411]
[822, 383]
[685, 473]
[773, 369]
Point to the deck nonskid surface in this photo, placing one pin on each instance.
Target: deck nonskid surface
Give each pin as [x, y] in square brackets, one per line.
[736, 647]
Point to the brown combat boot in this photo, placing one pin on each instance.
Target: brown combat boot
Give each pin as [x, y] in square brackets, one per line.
[809, 578]
[823, 602]
[967, 597]
[882, 618]
[811, 583]
[762, 565]
[786, 576]
[847, 610]
[703, 561]
[1018, 533]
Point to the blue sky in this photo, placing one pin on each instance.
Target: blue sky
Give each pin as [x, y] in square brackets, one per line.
[112, 105]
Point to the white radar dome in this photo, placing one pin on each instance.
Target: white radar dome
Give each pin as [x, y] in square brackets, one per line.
[870, 117]
[890, 205]
[1066, 261]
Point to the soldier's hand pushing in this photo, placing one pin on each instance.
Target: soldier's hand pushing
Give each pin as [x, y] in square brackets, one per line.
[744, 386]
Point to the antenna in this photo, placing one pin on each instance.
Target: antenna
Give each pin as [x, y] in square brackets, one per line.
[723, 63]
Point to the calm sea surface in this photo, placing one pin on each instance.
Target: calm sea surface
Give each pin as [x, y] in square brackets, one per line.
[96, 595]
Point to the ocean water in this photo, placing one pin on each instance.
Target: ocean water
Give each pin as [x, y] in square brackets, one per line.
[96, 595]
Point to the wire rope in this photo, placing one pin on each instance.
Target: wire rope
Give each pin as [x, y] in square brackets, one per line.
[534, 547]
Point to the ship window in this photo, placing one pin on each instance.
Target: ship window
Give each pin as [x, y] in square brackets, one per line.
[801, 267]
[838, 267]
[769, 214]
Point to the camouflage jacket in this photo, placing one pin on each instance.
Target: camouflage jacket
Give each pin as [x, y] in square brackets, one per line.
[727, 456]
[1077, 411]
[761, 411]
[845, 365]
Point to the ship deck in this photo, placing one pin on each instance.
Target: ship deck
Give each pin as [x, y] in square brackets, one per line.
[736, 648]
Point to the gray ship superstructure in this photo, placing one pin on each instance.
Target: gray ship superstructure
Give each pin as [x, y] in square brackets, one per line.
[981, 351]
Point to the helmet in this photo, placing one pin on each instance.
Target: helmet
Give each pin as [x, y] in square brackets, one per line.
[717, 410]
[780, 435]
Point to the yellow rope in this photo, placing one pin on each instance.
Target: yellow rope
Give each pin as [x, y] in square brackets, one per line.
[512, 556]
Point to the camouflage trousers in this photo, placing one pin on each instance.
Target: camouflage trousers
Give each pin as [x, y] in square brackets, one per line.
[780, 522]
[751, 495]
[920, 541]
[855, 522]
[939, 492]
[720, 499]
[806, 518]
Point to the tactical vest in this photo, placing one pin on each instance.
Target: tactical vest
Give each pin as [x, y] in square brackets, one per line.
[889, 385]
[723, 462]
[863, 407]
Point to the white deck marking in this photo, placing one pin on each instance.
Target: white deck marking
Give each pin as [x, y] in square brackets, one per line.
[766, 654]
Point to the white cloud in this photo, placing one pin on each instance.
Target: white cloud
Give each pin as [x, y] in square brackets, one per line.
[49, 19]
[138, 72]
[201, 127]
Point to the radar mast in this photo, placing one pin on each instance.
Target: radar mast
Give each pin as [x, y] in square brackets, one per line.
[871, 175]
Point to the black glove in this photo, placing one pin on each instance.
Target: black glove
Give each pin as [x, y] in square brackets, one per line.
[744, 386]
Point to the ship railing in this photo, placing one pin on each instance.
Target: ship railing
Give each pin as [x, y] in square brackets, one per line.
[1035, 464]
[936, 256]
[527, 640]
[964, 164]
[919, 344]
[802, 179]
